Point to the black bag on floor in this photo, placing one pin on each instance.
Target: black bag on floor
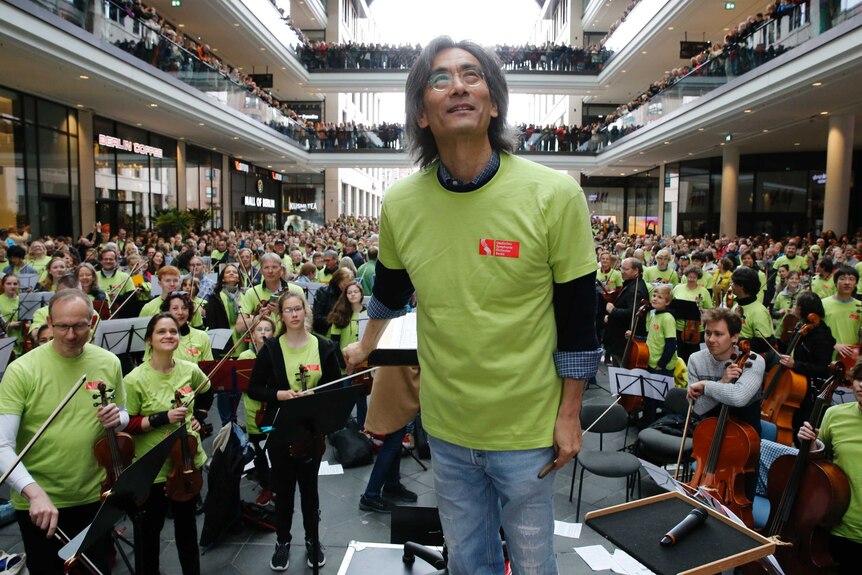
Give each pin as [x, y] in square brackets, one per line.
[352, 448]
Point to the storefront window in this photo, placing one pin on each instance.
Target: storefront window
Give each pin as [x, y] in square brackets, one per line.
[13, 207]
[302, 200]
[203, 183]
[255, 196]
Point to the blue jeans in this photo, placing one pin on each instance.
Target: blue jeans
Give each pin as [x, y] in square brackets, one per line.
[480, 491]
[387, 466]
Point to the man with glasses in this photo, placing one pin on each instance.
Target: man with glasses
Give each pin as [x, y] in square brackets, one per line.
[330, 264]
[58, 482]
[113, 281]
[262, 299]
[198, 270]
[506, 311]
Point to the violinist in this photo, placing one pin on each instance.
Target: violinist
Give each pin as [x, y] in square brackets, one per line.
[221, 313]
[756, 322]
[57, 483]
[619, 317]
[194, 344]
[113, 281]
[714, 380]
[86, 275]
[151, 389]
[264, 330]
[822, 283]
[262, 299]
[608, 276]
[277, 378]
[844, 313]
[785, 304]
[840, 434]
[812, 354]
[691, 290]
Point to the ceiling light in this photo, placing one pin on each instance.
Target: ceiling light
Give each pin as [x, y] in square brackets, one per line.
[214, 149]
[796, 144]
[154, 105]
[263, 49]
[622, 173]
[691, 153]
[262, 149]
[283, 157]
[747, 111]
[623, 71]
[641, 153]
[236, 137]
[721, 144]
[139, 124]
[666, 143]
[765, 131]
[824, 113]
[643, 52]
[269, 166]
[84, 77]
[235, 25]
[284, 67]
[79, 105]
[239, 157]
[817, 84]
[181, 25]
[182, 137]
[701, 129]
[670, 28]
[213, 49]
[201, 124]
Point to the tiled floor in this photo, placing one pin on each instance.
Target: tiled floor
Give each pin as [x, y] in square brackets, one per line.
[248, 551]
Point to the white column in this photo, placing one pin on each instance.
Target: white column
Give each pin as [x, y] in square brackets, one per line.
[839, 159]
[729, 189]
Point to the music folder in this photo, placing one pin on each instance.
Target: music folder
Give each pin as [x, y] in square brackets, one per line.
[397, 345]
[232, 375]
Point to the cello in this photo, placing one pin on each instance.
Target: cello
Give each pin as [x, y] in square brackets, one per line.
[784, 389]
[725, 449]
[114, 452]
[635, 356]
[185, 480]
[806, 523]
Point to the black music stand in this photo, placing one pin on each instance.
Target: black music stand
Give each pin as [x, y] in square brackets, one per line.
[129, 492]
[122, 336]
[28, 303]
[313, 416]
[6, 345]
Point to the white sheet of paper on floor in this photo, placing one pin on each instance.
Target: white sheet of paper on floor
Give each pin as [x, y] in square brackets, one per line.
[625, 564]
[327, 468]
[596, 556]
[571, 530]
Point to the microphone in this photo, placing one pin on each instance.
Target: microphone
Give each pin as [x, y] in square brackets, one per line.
[691, 522]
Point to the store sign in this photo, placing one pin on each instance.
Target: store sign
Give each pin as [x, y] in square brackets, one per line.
[297, 207]
[240, 166]
[276, 176]
[253, 202]
[819, 178]
[129, 146]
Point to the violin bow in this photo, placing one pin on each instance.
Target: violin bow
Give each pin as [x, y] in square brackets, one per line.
[682, 442]
[119, 290]
[45, 425]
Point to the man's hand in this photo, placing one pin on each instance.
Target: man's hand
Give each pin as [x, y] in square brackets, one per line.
[845, 350]
[285, 394]
[731, 373]
[354, 354]
[787, 361]
[177, 414]
[43, 514]
[109, 415]
[695, 390]
[807, 433]
[568, 439]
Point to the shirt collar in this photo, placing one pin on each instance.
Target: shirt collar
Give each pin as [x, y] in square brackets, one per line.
[453, 185]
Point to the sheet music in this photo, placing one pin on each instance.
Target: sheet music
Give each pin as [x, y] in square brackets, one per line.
[639, 382]
[400, 333]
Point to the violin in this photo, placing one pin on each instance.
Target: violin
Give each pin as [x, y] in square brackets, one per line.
[806, 523]
[788, 323]
[114, 452]
[784, 389]
[185, 480]
[609, 296]
[691, 329]
[635, 356]
[303, 449]
[725, 450]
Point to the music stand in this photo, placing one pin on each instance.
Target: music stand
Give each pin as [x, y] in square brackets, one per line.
[26, 282]
[311, 289]
[639, 382]
[232, 377]
[28, 303]
[122, 336]
[128, 493]
[219, 338]
[6, 345]
[313, 415]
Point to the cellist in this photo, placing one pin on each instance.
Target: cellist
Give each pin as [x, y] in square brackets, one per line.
[841, 435]
[619, 317]
[812, 354]
[711, 376]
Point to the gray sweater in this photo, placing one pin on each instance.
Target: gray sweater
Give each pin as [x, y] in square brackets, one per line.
[703, 367]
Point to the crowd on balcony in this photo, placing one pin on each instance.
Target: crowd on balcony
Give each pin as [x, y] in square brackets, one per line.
[329, 136]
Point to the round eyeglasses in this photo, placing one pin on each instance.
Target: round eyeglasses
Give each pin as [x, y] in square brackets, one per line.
[442, 81]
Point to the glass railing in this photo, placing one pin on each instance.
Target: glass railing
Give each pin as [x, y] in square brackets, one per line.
[161, 47]
[636, 20]
[785, 31]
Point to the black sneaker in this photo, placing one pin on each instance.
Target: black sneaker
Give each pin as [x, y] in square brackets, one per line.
[281, 558]
[321, 558]
[375, 504]
[399, 493]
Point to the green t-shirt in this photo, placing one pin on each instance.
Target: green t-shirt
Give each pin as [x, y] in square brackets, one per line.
[149, 391]
[194, 347]
[486, 328]
[250, 302]
[798, 263]
[9, 311]
[115, 285]
[40, 265]
[307, 355]
[152, 307]
[681, 292]
[611, 280]
[40, 318]
[842, 431]
[660, 327]
[844, 319]
[785, 300]
[756, 321]
[823, 288]
[62, 460]
[859, 283]
[347, 334]
[653, 275]
[250, 406]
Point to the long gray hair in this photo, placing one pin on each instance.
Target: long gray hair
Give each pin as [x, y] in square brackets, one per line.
[420, 141]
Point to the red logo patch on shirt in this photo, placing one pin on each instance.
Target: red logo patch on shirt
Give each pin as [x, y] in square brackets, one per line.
[312, 367]
[656, 326]
[193, 351]
[854, 316]
[92, 385]
[185, 390]
[499, 248]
